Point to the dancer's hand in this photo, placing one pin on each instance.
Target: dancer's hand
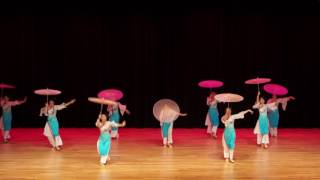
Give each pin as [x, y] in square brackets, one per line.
[292, 98]
[183, 114]
[123, 124]
[251, 112]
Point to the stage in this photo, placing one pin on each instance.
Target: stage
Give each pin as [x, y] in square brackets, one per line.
[139, 154]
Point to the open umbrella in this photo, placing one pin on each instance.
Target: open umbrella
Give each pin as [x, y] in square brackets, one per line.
[166, 110]
[275, 89]
[5, 86]
[228, 98]
[47, 92]
[258, 81]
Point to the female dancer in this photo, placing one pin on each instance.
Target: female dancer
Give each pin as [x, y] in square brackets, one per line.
[273, 112]
[104, 142]
[114, 115]
[229, 134]
[167, 116]
[262, 125]
[51, 129]
[212, 118]
[6, 123]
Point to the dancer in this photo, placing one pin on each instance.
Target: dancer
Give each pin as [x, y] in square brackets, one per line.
[104, 141]
[167, 116]
[51, 129]
[212, 118]
[229, 134]
[273, 112]
[114, 115]
[262, 125]
[6, 119]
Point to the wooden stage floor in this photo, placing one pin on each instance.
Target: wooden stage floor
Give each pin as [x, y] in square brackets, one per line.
[139, 154]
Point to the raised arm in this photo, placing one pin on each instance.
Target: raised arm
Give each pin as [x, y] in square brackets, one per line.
[64, 105]
[284, 101]
[70, 102]
[18, 102]
[257, 103]
[241, 114]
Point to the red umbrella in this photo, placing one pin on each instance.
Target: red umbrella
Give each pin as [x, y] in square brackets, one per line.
[275, 89]
[111, 94]
[210, 84]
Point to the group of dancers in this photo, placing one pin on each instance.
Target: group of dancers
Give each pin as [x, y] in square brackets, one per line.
[108, 125]
[267, 122]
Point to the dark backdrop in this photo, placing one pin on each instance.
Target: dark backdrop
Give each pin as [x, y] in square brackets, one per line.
[151, 55]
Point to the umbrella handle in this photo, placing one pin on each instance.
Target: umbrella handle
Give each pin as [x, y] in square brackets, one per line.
[101, 107]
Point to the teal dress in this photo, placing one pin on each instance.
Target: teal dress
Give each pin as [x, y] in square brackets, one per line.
[7, 114]
[273, 116]
[165, 129]
[214, 115]
[263, 121]
[115, 117]
[7, 120]
[54, 125]
[229, 132]
[104, 141]
[52, 119]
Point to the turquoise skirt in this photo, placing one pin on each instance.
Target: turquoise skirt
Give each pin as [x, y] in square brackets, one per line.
[7, 120]
[263, 124]
[214, 116]
[274, 118]
[104, 144]
[230, 137]
[54, 125]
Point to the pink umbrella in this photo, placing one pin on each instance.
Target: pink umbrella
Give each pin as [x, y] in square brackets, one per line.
[166, 110]
[275, 89]
[47, 92]
[5, 86]
[258, 81]
[111, 94]
[210, 84]
[228, 97]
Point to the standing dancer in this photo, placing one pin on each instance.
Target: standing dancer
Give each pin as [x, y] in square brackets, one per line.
[229, 134]
[273, 112]
[166, 111]
[104, 141]
[167, 116]
[51, 129]
[114, 115]
[6, 123]
[212, 118]
[262, 125]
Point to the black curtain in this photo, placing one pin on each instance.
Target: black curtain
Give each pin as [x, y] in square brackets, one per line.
[150, 56]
